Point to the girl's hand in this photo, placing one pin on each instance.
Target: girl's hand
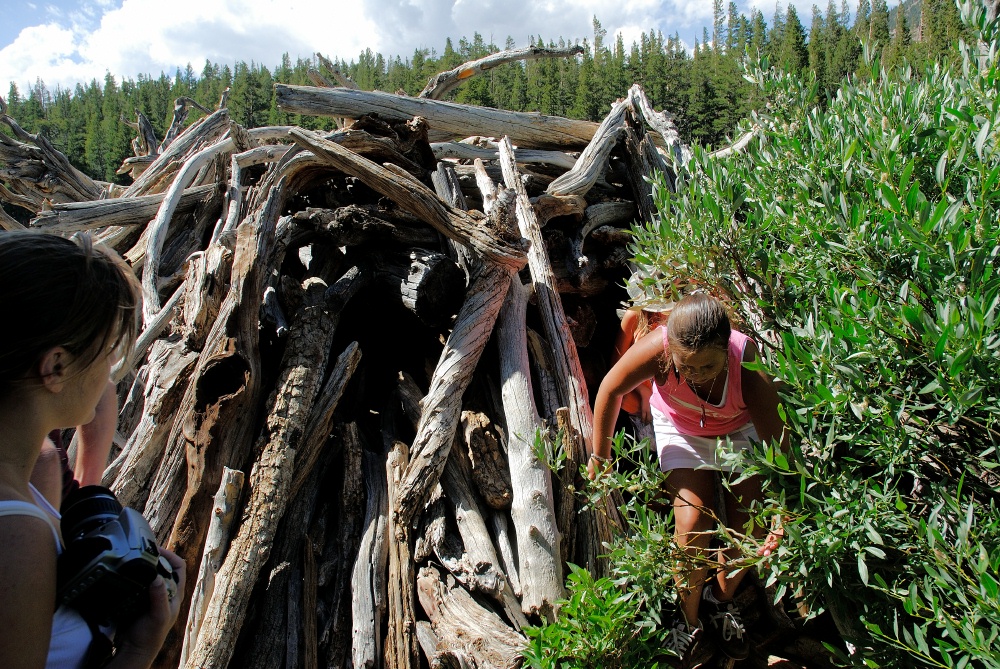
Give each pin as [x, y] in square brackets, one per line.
[141, 641]
[772, 541]
[596, 466]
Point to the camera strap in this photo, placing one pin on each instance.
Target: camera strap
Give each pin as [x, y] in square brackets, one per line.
[101, 649]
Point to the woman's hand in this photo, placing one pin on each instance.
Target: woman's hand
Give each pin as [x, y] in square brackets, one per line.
[773, 539]
[138, 644]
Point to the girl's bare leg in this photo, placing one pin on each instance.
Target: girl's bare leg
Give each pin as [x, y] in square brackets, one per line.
[738, 501]
[693, 494]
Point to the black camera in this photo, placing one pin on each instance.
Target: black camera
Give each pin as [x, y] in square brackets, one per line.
[110, 558]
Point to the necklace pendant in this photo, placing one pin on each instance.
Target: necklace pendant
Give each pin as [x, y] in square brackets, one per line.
[702, 421]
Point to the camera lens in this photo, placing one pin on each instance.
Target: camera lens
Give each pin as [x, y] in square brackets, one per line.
[87, 508]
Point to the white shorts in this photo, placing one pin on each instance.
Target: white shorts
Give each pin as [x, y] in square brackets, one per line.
[684, 451]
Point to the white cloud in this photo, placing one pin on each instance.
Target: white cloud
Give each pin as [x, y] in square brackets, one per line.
[144, 36]
[93, 37]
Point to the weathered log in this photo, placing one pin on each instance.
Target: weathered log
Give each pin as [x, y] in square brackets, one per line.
[342, 79]
[548, 207]
[428, 283]
[368, 581]
[401, 646]
[417, 199]
[643, 163]
[37, 172]
[182, 106]
[216, 545]
[134, 166]
[441, 83]
[320, 422]
[224, 396]
[7, 222]
[318, 79]
[480, 566]
[573, 388]
[533, 514]
[442, 405]
[270, 481]
[500, 529]
[272, 635]
[170, 368]
[544, 367]
[448, 120]
[169, 372]
[662, 122]
[617, 214]
[449, 189]
[203, 132]
[75, 216]
[464, 151]
[487, 462]
[343, 543]
[478, 636]
[534, 183]
[594, 159]
[739, 144]
[144, 143]
[569, 374]
[355, 225]
[575, 453]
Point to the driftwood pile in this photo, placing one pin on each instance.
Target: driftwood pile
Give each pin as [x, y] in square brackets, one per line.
[376, 325]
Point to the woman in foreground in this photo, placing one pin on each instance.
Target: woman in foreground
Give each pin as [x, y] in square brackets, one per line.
[69, 310]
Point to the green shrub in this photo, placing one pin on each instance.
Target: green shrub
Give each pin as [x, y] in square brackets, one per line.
[857, 239]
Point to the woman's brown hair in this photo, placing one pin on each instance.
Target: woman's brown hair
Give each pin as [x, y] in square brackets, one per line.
[699, 321]
[61, 292]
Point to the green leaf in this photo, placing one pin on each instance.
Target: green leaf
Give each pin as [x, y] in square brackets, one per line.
[862, 568]
[912, 316]
[850, 152]
[942, 164]
[981, 137]
[889, 197]
[989, 585]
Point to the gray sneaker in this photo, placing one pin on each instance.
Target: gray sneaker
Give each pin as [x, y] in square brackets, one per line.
[688, 645]
[725, 624]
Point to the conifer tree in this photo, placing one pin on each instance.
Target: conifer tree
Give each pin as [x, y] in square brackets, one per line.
[818, 46]
[791, 53]
[878, 26]
[899, 46]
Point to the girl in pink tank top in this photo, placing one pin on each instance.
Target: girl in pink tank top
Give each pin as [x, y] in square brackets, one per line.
[704, 404]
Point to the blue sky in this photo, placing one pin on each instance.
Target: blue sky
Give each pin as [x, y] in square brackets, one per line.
[65, 42]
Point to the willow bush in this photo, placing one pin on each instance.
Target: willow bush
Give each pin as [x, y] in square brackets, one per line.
[857, 236]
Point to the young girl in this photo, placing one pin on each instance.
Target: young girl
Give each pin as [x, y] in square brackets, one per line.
[703, 399]
[69, 309]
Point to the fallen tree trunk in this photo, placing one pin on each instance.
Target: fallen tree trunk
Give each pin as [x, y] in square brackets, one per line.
[36, 172]
[533, 514]
[75, 216]
[441, 83]
[448, 120]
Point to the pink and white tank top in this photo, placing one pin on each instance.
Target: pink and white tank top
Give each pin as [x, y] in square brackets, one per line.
[684, 408]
